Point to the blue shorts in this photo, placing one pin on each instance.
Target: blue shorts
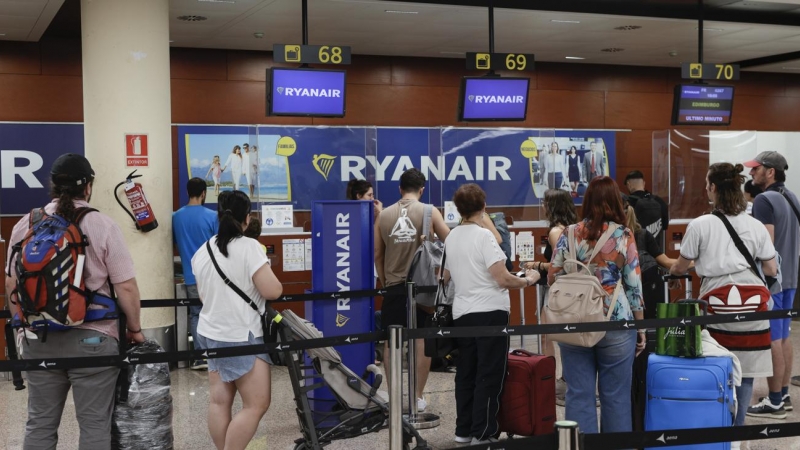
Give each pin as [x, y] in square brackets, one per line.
[234, 367]
[779, 328]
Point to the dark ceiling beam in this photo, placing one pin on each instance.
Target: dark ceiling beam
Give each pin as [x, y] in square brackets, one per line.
[764, 60]
[666, 10]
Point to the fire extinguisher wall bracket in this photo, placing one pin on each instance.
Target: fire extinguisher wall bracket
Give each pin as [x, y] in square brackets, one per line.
[141, 213]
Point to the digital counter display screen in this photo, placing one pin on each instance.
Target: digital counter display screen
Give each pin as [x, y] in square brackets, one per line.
[306, 92]
[697, 104]
[488, 99]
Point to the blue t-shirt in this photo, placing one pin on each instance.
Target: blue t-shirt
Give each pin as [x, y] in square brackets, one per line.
[772, 208]
[192, 226]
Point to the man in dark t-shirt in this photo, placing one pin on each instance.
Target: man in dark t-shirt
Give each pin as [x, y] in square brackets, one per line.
[652, 211]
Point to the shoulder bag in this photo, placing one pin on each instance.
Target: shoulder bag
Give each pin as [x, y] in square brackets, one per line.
[442, 317]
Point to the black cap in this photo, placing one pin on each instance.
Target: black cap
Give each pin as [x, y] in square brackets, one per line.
[634, 175]
[71, 169]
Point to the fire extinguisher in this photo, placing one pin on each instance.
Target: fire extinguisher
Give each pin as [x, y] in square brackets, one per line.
[141, 212]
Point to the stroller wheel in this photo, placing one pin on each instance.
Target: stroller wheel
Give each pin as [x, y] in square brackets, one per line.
[300, 446]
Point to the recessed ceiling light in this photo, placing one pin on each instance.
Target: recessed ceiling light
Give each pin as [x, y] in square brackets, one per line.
[394, 11]
[710, 29]
[790, 68]
[171, 41]
[2, 34]
[192, 18]
[628, 27]
[573, 57]
[564, 21]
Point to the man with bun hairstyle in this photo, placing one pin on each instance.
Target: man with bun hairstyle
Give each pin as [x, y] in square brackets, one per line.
[775, 208]
[108, 265]
[398, 234]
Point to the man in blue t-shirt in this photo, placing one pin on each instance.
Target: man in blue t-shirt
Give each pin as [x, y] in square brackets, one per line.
[192, 226]
[775, 208]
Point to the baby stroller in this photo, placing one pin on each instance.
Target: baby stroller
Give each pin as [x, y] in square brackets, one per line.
[358, 407]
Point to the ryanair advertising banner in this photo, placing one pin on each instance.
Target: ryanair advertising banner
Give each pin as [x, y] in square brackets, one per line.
[28, 150]
[299, 165]
[343, 250]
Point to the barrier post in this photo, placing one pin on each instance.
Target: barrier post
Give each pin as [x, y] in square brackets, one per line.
[396, 388]
[522, 316]
[415, 419]
[568, 435]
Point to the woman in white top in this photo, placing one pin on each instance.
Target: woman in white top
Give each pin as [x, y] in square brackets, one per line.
[729, 285]
[477, 266]
[235, 161]
[227, 320]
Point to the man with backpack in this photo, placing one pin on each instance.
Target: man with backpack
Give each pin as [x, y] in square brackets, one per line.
[651, 210]
[398, 234]
[192, 226]
[779, 210]
[96, 265]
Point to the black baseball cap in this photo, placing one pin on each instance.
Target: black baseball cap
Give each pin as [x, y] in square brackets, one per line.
[634, 175]
[71, 169]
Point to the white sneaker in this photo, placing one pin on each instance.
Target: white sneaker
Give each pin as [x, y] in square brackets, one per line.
[421, 404]
[463, 440]
[476, 441]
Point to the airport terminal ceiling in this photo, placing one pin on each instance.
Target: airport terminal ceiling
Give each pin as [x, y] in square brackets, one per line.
[758, 35]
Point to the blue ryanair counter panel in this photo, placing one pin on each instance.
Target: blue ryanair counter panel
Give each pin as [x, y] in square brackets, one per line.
[342, 248]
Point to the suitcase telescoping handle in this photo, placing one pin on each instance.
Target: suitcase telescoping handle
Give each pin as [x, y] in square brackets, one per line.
[687, 293]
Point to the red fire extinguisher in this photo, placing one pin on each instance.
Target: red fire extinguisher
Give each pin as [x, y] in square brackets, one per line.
[141, 212]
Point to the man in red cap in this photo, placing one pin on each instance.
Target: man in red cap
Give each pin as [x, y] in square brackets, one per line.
[779, 210]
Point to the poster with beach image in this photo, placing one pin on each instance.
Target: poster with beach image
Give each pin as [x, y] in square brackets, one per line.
[231, 158]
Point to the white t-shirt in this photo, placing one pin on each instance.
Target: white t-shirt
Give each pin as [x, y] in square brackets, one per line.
[716, 258]
[225, 316]
[471, 250]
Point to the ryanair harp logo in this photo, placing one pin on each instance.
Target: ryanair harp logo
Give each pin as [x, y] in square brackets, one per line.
[341, 320]
[323, 163]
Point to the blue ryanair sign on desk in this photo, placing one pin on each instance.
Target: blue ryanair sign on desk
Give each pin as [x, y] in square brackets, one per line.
[342, 260]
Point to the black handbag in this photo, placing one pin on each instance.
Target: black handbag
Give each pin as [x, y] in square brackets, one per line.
[269, 318]
[442, 317]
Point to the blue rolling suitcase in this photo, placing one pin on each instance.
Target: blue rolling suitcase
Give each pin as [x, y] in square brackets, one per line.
[690, 393]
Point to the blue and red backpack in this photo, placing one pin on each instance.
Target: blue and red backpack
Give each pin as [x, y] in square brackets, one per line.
[50, 289]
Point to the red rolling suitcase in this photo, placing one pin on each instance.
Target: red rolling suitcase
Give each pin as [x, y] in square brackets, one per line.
[528, 404]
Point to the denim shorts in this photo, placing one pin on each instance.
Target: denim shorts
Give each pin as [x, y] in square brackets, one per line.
[234, 367]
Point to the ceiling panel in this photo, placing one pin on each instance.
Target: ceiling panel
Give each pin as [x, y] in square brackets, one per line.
[438, 30]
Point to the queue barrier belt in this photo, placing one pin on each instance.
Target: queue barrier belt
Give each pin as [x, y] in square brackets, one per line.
[606, 441]
[654, 439]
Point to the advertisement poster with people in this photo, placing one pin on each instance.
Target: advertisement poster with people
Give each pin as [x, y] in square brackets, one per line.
[298, 165]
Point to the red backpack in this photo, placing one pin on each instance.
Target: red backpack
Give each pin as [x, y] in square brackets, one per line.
[50, 273]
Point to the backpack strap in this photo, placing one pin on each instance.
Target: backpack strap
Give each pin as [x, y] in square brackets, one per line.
[427, 216]
[597, 246]
[796, 212]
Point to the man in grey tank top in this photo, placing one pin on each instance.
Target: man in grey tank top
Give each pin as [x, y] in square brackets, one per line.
[398, 234]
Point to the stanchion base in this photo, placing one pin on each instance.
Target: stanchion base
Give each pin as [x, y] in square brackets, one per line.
[422, 421]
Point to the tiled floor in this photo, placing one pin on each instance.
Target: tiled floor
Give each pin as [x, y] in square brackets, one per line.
[280, 428]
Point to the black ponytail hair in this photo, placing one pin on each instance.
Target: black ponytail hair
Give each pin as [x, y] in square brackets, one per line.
[233, 207]
[66, 193]
[356, 188]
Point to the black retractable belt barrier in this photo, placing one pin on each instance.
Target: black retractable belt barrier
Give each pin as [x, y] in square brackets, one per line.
[654, 439]
[166, 357]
